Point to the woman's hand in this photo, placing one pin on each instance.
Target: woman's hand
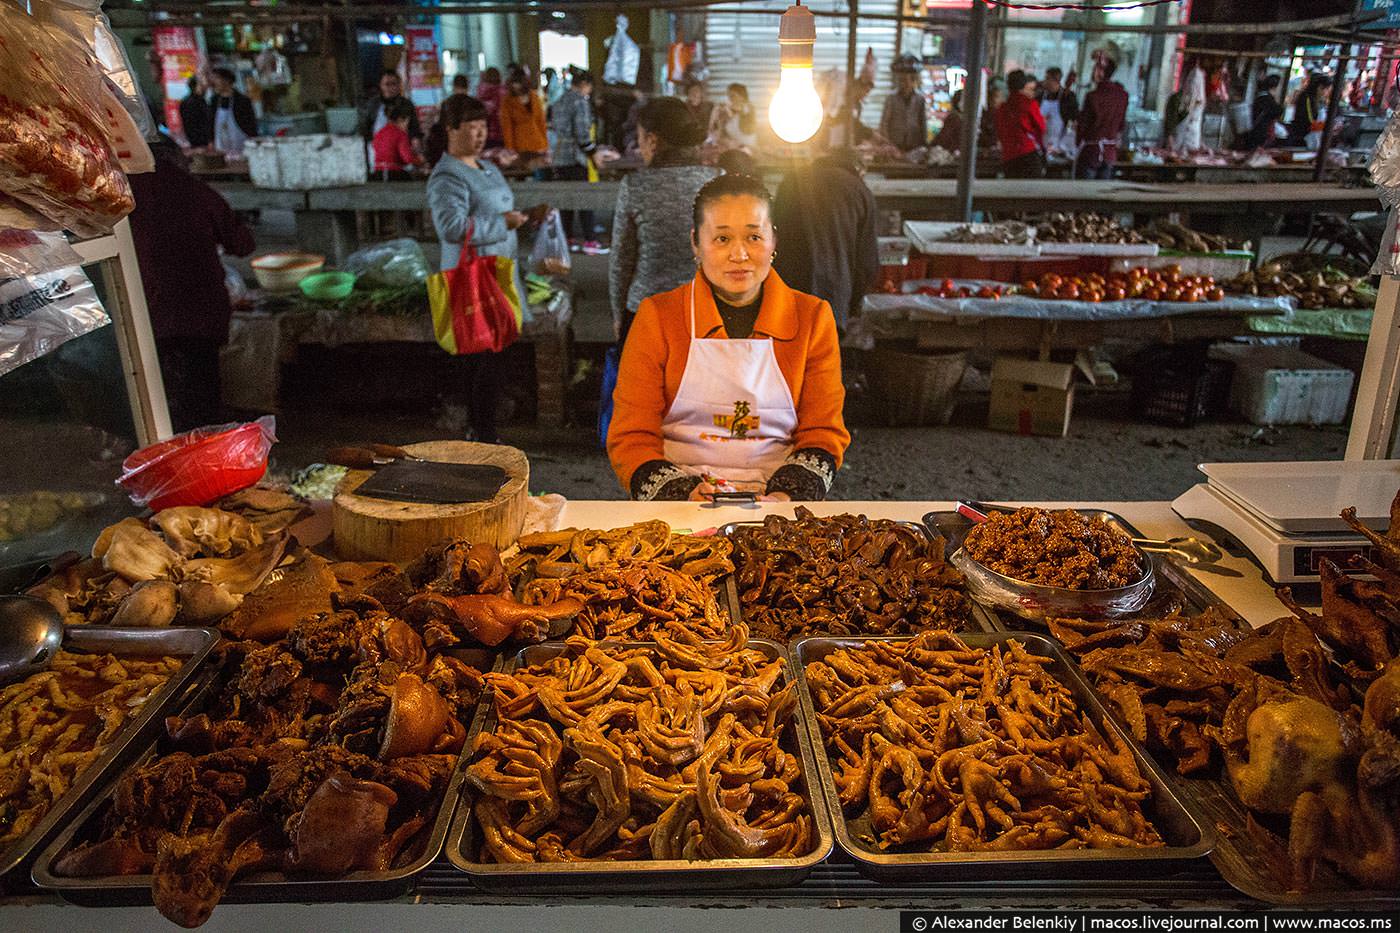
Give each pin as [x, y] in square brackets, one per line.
[513, 219]
[703, 492]
[775, 497]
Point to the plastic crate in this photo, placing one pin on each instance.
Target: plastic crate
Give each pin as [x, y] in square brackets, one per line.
[1180, 386]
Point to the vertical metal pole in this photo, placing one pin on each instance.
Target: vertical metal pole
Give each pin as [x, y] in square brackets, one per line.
[972, 106]
[851, 72]
[1333, 102]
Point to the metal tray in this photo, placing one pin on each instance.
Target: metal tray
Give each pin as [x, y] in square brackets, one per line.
[1188, 837]
[1253, 860]
[258, 887]
[651, 876]
[194, 644]
[981, 616]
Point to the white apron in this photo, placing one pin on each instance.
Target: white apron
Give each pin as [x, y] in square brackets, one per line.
[733, 416]
[228, 137]
[1054, 123]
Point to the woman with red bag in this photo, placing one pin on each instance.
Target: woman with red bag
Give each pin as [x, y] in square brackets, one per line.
[471, 203]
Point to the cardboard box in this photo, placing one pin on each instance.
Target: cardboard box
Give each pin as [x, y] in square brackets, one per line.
[1030, 397]
[1284, 385]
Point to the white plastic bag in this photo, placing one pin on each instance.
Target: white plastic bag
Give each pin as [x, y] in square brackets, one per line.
[550, 254]
[1385, 172]
[624, 57]
[39, 313]
[393, 263]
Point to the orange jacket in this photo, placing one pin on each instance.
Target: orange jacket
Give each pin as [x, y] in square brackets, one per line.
[523, 129]
[803, 332]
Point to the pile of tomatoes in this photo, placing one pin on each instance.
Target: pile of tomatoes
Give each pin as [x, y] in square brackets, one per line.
[1164, 284]
[950, 289]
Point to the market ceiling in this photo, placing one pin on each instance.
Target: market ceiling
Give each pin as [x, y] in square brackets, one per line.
[195, 12]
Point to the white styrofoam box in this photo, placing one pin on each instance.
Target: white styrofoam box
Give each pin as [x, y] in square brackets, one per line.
[894, 251]
[927, 236]
[1049, 248]
[299, 163]
[1283, 385]
[1222, 266]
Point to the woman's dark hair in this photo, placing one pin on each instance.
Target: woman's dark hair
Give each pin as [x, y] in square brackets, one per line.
[737, 162]
[670, 120]
[459, 109]
[461, 84]
[746, 120]
[723, 186]
[225, 73]
[491, 76]
[1017, 81]
[581, 77]
[957, 100]
[1271, 83]
[398, 109]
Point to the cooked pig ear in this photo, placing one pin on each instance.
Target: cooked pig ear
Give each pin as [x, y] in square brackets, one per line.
[212, 532]
[103, 544]
[202, 602]
[242, 574]
[150, 604]
[136, 553]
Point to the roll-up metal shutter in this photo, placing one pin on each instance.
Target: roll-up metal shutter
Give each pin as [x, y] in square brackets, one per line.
[744, 48]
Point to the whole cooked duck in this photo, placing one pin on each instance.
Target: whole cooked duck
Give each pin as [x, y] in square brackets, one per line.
[671, 751]
[324, 752]
[844, 575]
[1301, 718]
[950, 748]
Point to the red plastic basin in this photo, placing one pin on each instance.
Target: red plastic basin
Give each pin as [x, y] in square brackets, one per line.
[198, 467]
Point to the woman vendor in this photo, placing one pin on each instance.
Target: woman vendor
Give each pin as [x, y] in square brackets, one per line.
[733, 376]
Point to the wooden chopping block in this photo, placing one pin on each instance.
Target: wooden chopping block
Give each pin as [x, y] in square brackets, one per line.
[377, 529]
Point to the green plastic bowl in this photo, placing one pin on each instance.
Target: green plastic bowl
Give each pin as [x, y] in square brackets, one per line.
[328, 286]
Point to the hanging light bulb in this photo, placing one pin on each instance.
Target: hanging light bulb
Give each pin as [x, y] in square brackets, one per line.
[796, 111]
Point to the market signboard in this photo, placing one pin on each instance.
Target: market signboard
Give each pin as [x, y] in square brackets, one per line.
[179, 59]
[424, 71]
[1391, 8]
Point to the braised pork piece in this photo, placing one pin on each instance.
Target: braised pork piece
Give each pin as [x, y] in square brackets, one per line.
[948, 748]
[1301, 718]
[326, 751]
[1060, 548]
[844, 575]
[671, 751]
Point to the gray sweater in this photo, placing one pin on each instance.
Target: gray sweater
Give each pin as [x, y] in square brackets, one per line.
[571, 120]
[460, 196]
[651, 234]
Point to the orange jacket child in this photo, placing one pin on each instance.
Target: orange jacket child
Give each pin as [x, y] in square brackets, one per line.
[803, 332]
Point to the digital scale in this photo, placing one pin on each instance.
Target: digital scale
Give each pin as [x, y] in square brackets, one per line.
[1288, 515]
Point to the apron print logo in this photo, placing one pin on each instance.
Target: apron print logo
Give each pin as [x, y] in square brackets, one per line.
[741, 423]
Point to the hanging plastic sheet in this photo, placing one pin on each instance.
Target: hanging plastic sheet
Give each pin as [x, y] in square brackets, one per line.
[39, 313]
[1385, 172]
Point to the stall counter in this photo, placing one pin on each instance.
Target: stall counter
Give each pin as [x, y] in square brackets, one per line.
[876, 908]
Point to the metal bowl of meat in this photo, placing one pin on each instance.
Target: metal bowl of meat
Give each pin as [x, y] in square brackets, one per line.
[1036, 563]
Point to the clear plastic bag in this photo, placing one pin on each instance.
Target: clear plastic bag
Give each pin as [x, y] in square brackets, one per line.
[39, 313]
[550, 253]
[56, 153]
[1385, 172]
[33, 252]
[391, 264]
[624, 56]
